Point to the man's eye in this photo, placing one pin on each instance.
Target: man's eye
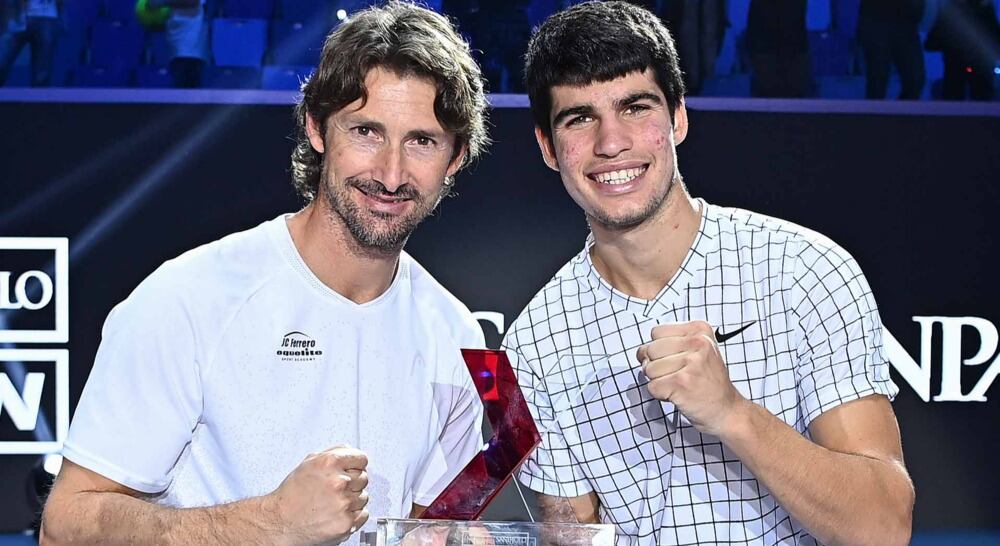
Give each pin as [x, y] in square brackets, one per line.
[363, 131]
[424, 141]
[578, 120]
[636, 108]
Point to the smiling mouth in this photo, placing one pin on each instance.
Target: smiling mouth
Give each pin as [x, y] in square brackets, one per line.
[621, 176]
[384, 197]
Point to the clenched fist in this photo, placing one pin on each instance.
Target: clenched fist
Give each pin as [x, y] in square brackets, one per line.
[323, 500]
[684, 366]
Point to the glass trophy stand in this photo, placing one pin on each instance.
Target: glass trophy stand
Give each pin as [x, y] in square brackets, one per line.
[452, 518]
[422, 532]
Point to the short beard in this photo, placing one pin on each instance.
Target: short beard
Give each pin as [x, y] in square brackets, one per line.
[630, 221]
[372, 230]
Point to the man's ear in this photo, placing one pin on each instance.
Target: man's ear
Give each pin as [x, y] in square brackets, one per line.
[456, 162]
[680, 123]
[314, 134]
[546, 146]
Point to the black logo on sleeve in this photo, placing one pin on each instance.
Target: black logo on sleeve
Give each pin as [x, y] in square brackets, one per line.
[298, 347]
[722, 338]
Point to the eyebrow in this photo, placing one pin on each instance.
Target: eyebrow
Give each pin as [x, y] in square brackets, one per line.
[588, 109]
[583, 109]
[352, 120]
[636, 97]
[423, 133]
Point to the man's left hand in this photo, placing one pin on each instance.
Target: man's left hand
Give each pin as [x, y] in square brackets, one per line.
[684, 366]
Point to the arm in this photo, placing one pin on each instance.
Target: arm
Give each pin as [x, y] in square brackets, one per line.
[579, 509]
[560, 487]
[322, 500]
[582, 509]
[850, 487]
[85, 506]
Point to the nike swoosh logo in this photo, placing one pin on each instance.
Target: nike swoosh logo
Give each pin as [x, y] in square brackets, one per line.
[722, 338]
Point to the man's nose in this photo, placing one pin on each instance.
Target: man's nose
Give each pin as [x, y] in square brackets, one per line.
[391, 168]
[613, 138]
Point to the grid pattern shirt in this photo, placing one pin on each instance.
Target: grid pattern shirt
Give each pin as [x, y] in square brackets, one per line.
[814, 342]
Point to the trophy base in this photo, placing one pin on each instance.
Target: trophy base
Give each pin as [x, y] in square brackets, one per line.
[426, 532]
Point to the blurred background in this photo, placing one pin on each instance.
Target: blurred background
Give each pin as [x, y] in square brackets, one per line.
[840, 49]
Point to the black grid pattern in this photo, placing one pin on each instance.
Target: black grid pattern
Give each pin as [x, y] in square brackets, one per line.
[815, 342]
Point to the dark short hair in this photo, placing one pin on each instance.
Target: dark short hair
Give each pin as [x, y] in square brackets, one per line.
[598, 42]
[408, 40]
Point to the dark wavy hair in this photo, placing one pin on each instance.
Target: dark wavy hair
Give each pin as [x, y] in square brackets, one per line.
[598, 42]
[406, 39]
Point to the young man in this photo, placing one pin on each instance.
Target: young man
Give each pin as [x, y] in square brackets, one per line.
[229, 383]
[748, 394]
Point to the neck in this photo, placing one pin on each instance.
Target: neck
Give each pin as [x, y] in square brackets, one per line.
[329, 250]
[641, 260]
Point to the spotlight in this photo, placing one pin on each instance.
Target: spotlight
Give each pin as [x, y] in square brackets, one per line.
[341, 14]
[997, 71]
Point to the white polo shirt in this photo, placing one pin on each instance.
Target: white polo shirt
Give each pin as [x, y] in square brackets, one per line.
[231, 363]
[813, 341]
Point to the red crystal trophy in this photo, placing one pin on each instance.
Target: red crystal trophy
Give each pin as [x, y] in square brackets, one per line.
[514, 437]
[457, 509]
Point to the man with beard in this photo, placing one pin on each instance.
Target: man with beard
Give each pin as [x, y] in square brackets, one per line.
[745, 393]
[229, 384]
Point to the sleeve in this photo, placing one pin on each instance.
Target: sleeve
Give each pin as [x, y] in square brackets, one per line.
[143, 397]
[473, 336]
[461, 436]
[839, 334]
[550, 469]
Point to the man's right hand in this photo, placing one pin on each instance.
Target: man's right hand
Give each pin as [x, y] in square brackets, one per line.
[324, 498]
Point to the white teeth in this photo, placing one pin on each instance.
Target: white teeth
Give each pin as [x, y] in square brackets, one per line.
[619, 177]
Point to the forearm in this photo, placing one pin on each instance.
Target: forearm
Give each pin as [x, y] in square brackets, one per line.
[115, 518]
[840, 498]
[582, 509]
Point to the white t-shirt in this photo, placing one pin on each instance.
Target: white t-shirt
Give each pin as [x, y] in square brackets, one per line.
[231, 363]
[813, 341]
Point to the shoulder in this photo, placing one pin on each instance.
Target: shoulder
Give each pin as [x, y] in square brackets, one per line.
[740, 221]
[750, 229]
[817, 270]
[208, 278]
[441, 306]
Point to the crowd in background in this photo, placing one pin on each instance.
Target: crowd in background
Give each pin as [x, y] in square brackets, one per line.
[908, 49]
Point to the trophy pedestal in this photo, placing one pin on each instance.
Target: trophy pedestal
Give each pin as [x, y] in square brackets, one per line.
[425, 532]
